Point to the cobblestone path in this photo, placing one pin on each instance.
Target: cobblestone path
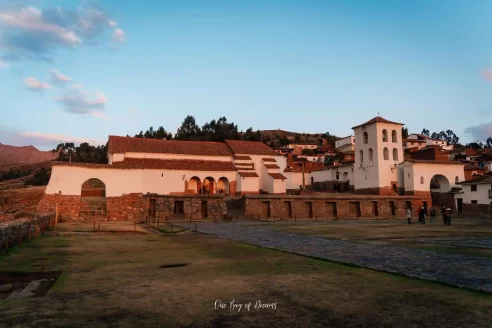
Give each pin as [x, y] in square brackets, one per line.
[463, 271]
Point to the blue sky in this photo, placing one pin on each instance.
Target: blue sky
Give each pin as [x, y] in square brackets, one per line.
[73, 70]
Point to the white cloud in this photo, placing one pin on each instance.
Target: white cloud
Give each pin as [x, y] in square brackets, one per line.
[77, 86]
[28, 32]
[29, 19]
[119, 35]
[77, 100]
[97, 114]
[59, 138]
[59, 77]
[35, 85]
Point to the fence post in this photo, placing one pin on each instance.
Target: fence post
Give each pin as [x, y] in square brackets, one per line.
[57, 213]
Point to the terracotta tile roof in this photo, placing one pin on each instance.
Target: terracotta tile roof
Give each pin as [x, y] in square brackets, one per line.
[139, 145]
[474, 167]
[470, 152]
[168, 164]
[423, 161]
[377, 119]
[245, 164]
[242, 157]
[248, 174]
[272, 166]
[94, 166]
[245, 168]
[484, 179]
[250, 148]
[179, 164]
[269, 160]
[277, 176]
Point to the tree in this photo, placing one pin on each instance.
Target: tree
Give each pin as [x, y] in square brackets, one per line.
[329, 138]
[424, 132]
[284, 141]
[297, 138]
[188, 130]
[65, 151]
[85, 153]
[488, 142]
[220, 130]
[475, 145]
[307, 151]
[404, 132]
[40, 178]
[249, 135]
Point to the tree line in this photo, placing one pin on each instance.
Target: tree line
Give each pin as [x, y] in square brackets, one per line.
[453, 139]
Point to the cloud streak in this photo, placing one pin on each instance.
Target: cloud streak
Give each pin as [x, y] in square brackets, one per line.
[57, 138]
[77, 100]
[480, 132]
[487, 74]
[59, 77]
[28, 32]
[34, 84]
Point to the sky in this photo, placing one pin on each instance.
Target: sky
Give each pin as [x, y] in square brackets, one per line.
[82, 70]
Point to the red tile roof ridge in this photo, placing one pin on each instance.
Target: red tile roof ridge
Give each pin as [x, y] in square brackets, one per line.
[277, 176]
[377, 119]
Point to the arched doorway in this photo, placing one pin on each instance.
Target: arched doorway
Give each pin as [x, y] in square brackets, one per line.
[194, 185]
[439, 183]
[223, 186]
[439, 188]
[208, 186]
[93, 198]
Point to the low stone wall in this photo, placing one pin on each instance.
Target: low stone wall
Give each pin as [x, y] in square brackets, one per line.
[480, 210]
[15, 201]
[68, 206]
[194, 207]
[12, 233]
[332, 206]
[131, 207]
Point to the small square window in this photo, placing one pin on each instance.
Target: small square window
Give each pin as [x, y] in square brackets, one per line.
[473, 187]
[474, 202]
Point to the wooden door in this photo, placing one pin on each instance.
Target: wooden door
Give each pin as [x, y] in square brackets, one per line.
[204, 209]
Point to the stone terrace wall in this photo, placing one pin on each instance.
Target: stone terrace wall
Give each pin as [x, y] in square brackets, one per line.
[69, 206]
[13, 232]
[480, 210]
[14, 201]
[331, 206]
[192, 206]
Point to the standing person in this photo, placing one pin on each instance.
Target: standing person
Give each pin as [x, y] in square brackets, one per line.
[422, 215]
[432, 215]
[448, 216]
[444, 214]
[409, 215]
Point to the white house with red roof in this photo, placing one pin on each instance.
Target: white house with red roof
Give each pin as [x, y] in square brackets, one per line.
[174, 167]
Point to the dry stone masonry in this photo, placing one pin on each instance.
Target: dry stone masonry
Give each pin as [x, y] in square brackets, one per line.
[12, 233]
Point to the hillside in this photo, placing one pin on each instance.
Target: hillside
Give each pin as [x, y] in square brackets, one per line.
[11, 155]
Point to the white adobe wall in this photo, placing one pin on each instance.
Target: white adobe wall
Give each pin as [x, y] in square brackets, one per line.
[427, 171]
[164, 182]
[386, 168]
[247, 184]
[406, 177]
[262, 171]
[294, 179]
[481, 195]
[117, 157]
[321, 176]
[69, 180]
[279, 186]
[366, 176]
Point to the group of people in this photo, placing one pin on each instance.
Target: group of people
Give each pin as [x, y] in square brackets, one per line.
[446, 215]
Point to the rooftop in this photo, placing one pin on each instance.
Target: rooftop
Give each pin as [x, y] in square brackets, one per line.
[377, 119]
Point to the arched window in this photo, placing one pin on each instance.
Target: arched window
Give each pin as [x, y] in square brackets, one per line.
[386, 154]
[361, 154]
[421, 180]
[393, 136]
[456, 180]
[385, 135]
[366, 137]
[395, 154]
[370, 155]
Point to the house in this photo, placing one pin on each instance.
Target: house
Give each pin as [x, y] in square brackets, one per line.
[173, 167]
[419, 140]
[346, 144]
[474, 170]
[432, 153]
[475, 197]
[297, 148]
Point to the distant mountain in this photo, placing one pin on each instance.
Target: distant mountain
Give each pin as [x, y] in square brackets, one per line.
[11, 155]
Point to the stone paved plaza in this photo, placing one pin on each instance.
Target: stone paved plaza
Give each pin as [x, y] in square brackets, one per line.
[464, 271]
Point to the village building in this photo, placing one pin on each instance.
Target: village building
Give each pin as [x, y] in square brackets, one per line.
[475, 198]
[420, 141]
[346, 144]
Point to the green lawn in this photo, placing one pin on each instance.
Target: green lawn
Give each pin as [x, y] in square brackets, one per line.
[115, 280]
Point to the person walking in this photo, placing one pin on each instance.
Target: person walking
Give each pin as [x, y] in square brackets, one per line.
[409, 215]
[444, 214]
[422, 215]
[447, 219]
[432, 215]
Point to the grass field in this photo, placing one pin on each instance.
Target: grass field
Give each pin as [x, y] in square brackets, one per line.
[116, 280]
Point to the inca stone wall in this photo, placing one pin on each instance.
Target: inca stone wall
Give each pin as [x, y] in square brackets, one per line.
[480, 210]
[13, 233]
[187, 207]
[336, 206]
